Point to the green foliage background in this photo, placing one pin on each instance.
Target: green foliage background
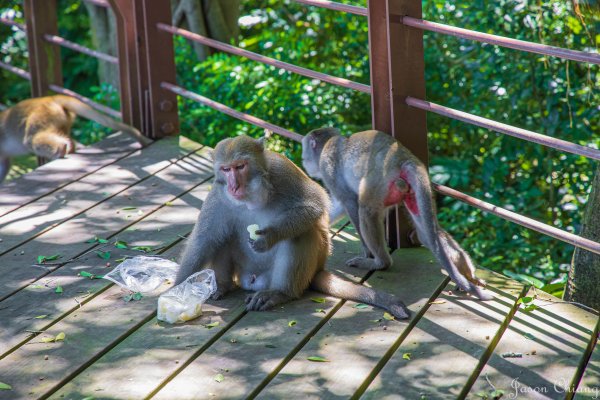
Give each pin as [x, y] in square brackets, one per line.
[547, 95]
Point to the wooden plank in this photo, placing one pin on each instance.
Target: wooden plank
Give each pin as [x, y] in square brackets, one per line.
[445, 346]
[103, 321]
[49, 211]
[552, 340]
[19, 310]
[265, 343]
[108, 217]
[58, 173]
[356, 339]
[589, 387]
[146, 349]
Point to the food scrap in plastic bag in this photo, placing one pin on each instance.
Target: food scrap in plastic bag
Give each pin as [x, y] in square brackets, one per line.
[184, 302]
[143, 273]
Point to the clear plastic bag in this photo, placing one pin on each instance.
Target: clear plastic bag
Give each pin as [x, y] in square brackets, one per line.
[143, 273]
[184, 302]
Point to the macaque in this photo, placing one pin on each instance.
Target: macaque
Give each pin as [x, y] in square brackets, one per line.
[265, 227]
[43, 126]
[367, 173]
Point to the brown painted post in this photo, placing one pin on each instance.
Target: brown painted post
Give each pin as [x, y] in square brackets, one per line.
[44, 58]
[397, 71]
[146, 58]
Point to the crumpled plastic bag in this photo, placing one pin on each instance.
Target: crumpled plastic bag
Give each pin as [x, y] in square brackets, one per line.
[184, 301]
[143, 273]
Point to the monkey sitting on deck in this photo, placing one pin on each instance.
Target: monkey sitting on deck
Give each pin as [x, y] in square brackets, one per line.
[370, 171]
[254, 186]
[43, 126]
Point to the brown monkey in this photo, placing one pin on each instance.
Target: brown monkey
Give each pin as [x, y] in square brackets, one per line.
[254, 186]
[370, 171]
[43, 126]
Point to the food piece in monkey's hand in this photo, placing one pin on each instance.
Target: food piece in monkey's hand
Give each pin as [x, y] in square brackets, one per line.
[252, 231]
[384, 174]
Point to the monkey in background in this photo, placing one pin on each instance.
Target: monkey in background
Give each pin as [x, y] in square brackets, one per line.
[370, 171]
[42, 126]
[287, 254]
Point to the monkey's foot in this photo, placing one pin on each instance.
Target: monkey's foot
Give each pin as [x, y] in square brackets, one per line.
[366, 263]
[265, 300]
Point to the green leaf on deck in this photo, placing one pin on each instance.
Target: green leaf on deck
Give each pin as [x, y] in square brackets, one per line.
[271, 346]
[524, 300]
[318, 299]
[530, 308]
[317, 359]
[128, 208]
[43, 259]
[320, 310]
[58, 289]
[105, 255]
[219, 378]
[529, 336]
[41, 316]
[406, 356]
[168, 203]
[60, 336]
[96, 239]
[292, 323]
[120, 244]
[212, 325]
[388, 316]
[36, 286]
[144, 249]
[5, 386]
[360, 306]
[86, 274]
[133, 296]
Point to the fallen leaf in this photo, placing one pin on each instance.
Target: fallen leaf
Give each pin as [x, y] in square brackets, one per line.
[96, 239]
[271, 346]
[388, 316]
[318, 299]
[530, 308]
[524, 300]
[168, 203]
[58, 289]
[145, 249]
[86, 274]
[292, 323]
[60, 336]
[360, 306]
[36, 286]
[320, 310]
[47, 340]
[43, 259]
[5, 386]
[41, 316]
[317, 359]
[119, 244]
[528, 336]
[133, 296]
[105, 255]
[212, 325]
[128, 208]
[219, 378]
[406, 356]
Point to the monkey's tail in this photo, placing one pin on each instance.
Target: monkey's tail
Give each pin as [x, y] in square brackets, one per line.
[85, 111]
[333, 285]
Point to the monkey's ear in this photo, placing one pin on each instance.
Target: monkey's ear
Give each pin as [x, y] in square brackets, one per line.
[261, 143]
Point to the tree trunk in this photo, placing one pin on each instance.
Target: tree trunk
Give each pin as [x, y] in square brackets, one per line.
[216, 19]
[584, 278]
[104, 39]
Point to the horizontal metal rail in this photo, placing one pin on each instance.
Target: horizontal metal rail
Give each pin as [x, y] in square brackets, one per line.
[332, 5]
[530, 136]
[15, 70]
[522, 220]
[99, 3]
[89, 102]
[516, 44]
[264, 59]
[10, 22]
[231, 112]
[80, 49]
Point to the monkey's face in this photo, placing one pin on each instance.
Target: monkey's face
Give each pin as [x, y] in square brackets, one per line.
[236, 178]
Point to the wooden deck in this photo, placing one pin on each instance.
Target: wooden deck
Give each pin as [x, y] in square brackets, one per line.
[451, 348]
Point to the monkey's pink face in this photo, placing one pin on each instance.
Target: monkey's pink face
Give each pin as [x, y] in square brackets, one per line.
[236, 175]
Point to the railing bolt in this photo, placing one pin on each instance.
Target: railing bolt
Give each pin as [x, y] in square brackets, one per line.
[167, 128]
[166, 105]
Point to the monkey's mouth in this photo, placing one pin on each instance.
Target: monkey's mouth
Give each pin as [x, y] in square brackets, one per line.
[237, 194]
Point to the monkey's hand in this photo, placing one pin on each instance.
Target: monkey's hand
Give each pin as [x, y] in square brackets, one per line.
[262, 243]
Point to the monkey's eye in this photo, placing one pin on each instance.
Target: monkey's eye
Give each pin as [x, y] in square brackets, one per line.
[225, 169]
[240, 167]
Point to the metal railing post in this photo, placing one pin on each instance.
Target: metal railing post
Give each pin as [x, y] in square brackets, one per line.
[45, 64]
[146, 59]
[397, 71]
